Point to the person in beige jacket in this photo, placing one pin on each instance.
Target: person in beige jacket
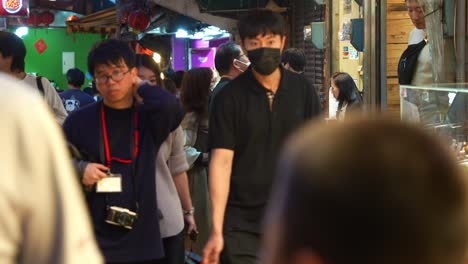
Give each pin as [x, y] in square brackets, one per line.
[43, 219]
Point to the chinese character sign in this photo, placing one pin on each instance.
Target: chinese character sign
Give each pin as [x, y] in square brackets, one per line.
[14, 8]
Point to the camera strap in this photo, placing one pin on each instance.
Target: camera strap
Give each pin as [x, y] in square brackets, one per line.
[105, 154]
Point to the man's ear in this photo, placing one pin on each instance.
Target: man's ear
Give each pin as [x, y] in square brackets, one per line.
[134, 73]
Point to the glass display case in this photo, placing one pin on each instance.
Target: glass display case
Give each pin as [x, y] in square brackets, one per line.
[442, 109]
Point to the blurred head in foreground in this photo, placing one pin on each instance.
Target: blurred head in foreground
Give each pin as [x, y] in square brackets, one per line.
[367, 191]
[44, 218]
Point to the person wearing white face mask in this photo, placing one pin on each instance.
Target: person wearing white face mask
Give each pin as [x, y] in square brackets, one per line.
[230, 62]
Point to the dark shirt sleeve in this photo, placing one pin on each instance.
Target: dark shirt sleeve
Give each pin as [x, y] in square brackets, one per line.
[222, 122]
[67, 128]
[163, 109]
[313, 108]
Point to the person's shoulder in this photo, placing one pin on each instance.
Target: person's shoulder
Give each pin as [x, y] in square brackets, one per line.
[295, 80]
[10, 96]
[84, 96]
[236, 86]
[65, 94]
[85, 112]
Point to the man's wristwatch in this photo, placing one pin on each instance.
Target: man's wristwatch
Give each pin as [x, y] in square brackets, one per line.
[190, 211]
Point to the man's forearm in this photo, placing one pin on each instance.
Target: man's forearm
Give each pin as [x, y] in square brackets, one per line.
[220, 175]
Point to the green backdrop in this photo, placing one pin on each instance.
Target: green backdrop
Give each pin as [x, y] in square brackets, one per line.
[49, 63]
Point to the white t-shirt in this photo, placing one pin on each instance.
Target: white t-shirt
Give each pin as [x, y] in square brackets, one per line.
[44, 218]
[51, 96]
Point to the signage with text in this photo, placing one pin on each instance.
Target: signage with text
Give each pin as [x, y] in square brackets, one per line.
[14, 8]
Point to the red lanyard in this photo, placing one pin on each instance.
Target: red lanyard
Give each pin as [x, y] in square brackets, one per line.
[106, 139]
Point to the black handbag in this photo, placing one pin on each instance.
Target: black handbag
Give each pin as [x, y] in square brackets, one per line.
[408, 62]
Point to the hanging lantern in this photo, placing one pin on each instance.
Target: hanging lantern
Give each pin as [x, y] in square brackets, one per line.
[47, 18]
[34, 19]
[138, 20]
[72, 18]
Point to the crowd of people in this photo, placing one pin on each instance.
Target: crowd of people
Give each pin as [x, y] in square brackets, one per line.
[175, 171]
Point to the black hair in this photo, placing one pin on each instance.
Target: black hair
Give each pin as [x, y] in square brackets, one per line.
[195, 90]
[348, 89]
[261, 21]
[170, 85]
[178, 77]
[295, 57]
[12, 45]
[169, 73]
[111, 52]
[225, 54]
[75, 77]
[149, 63]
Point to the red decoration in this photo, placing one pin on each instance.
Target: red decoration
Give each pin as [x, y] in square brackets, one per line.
[138, 20]
[34, 19]
[40, 46]
[72, 18]
[47, 18]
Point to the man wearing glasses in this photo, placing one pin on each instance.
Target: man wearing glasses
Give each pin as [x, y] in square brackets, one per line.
[119, 139]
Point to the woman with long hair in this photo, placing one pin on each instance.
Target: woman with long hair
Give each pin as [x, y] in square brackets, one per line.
[344, 90]
[195, 94]
[173, 195]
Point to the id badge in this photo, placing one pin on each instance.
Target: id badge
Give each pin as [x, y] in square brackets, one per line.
[110, 184]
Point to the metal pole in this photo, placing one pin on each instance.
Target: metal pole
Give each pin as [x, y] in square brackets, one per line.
[372, 53]
[460, 37]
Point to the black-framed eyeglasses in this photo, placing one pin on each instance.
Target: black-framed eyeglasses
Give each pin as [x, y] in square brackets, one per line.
[116, 76]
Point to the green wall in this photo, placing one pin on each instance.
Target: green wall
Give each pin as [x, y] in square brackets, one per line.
[49, 63]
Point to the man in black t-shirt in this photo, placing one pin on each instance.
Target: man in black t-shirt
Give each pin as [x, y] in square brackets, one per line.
[250, 119]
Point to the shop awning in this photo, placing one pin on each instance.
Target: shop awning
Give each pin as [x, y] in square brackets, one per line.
[104, 22]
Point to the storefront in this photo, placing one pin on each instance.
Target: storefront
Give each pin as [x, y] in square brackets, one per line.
[355, 44]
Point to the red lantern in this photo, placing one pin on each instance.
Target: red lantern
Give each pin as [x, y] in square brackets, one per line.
[72, 18]
[138, 20]
[34, 19]
[47, 18]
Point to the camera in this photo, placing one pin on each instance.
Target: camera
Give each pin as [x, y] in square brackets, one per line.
[121, 217]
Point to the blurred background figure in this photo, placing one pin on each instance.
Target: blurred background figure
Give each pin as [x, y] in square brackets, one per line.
[12, 62]
[148, 69]
[74, 98]
[401, 199]
[172, 188]
[294, 60]
[415, 67]
[170, 85]
[194, 97]
[178, 77]
[230, 62]
[93, 91]
[345, 91]
[44, 219]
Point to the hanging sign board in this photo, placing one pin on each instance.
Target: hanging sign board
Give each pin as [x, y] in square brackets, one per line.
[14, 8]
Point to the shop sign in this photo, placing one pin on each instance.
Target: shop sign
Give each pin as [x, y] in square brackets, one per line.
[14, 8]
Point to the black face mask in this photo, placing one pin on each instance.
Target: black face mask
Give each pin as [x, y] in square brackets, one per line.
[265, 60]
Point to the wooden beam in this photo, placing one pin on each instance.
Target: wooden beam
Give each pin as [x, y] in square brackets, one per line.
[190, 8]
